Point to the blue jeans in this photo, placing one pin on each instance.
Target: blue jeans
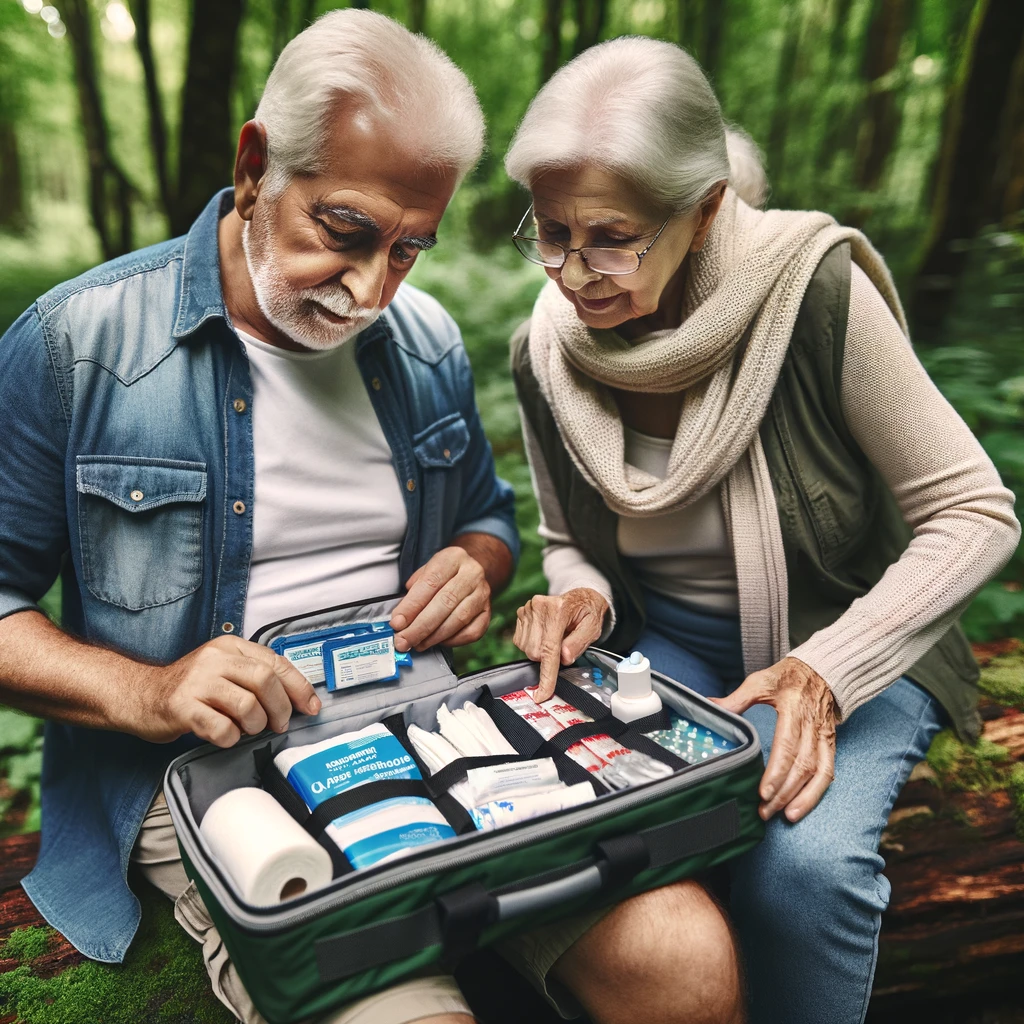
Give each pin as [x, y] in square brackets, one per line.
[807, 902]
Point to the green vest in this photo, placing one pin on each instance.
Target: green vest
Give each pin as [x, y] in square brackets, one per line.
[841, 526]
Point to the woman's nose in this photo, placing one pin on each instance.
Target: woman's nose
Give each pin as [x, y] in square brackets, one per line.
[576, 273]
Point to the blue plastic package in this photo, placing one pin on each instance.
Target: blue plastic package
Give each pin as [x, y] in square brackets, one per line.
[305, 650]
[382, 830]
[357, 660]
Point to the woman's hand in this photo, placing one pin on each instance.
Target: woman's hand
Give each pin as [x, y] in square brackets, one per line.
[557, 630]
[803, 755]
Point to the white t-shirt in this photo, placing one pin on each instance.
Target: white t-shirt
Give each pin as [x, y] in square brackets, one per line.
[329, 516]
[686, 554]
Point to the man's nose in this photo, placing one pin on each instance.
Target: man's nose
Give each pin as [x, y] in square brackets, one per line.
[576, 273]
[365, 280]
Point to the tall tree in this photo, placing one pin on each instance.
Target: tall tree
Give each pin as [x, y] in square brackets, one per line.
[882, 112]
[1008, 182]
[551, 39]
[110, 192]
[838, 115]
[776, 150]
[967, 155]
[590, 19]
[13, 203]
[206, 150]
[154, 107]
[418, 16]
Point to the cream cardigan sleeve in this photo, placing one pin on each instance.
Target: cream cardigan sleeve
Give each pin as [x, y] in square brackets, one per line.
[565, 565]
[948, 491]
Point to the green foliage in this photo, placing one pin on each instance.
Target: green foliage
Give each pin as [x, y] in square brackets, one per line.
[977, 768]
[1016, 787]
[1002, 680]
[21, 764]
[162, 980]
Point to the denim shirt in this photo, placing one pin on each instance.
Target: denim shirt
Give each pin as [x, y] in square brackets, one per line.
[125, 413]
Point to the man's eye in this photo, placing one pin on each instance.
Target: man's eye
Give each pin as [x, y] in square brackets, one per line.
[345, 238]
[401, 254]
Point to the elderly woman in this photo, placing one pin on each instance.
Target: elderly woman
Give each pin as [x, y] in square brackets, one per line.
[743, 471]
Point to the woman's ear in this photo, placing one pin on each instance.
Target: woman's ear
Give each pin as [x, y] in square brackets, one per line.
[708, 211]
[250, 167]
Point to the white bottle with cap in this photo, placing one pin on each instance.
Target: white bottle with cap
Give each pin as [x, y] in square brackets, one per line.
[635, 697]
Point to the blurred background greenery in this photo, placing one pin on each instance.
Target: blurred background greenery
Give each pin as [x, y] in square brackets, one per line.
[903, 117]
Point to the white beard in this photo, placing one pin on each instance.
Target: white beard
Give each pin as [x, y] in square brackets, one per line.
[297, 314]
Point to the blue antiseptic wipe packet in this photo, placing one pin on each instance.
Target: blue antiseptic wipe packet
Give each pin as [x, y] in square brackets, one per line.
[306, 650]
[380, 831]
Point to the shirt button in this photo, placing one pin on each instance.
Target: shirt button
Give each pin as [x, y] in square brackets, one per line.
[447, 454]
[375, 383]
[137, 495]
[238, 405]
[239, 507]
[228, 627]
[410, 484]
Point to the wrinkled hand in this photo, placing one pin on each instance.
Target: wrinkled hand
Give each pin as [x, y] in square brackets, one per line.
[800, 767]
[557, 630]
[219, 691]
[448, 601]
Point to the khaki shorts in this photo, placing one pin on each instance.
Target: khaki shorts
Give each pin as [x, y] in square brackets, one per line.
[532, 953]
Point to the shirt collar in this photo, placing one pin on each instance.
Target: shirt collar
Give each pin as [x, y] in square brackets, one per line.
[201, 294]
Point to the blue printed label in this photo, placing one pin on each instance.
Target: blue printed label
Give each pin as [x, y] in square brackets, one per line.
[375, 848]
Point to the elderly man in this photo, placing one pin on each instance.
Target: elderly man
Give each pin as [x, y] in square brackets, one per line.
[226, 430]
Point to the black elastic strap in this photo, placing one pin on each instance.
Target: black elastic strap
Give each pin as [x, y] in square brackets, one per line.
[454, 813]
[652, 723]
[361, 796]
[463, 915]
[622, 859]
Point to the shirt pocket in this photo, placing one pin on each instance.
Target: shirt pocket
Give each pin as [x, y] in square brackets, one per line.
[443, 443]
[141, 527]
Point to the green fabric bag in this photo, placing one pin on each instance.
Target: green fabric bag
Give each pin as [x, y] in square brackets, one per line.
[374, 927]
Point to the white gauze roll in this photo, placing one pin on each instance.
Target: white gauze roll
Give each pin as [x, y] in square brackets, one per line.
[268, 855]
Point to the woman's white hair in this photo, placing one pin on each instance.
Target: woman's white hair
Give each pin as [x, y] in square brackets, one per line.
[353, 62]
[644, 109]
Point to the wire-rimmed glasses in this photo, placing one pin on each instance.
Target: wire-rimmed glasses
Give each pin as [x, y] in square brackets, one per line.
[600, 259]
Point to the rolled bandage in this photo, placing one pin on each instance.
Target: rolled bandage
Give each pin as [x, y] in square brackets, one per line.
[268, 856]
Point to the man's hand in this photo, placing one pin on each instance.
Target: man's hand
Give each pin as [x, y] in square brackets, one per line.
[220, 691]
[803, 755]
[449, 602]
[557, 630]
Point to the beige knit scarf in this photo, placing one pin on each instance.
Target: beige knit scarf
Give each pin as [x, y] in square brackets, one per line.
[746, 284]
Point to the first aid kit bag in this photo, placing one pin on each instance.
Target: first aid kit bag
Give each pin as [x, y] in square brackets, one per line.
[420, 816]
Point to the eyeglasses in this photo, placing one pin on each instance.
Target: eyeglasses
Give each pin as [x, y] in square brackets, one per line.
[599, 259]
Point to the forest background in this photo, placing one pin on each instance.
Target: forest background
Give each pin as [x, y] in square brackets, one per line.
[118, 121]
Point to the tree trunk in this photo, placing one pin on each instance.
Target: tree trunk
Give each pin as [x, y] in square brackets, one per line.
[551, 39]
[154, 106]
[13, 210]
[206, 153]
[418, 16]
[282, 28]
[690, 18]
[1008, 186]
[839, 113]
[307, 14]
[590, 18]
[966, 158]
[110, 192]
[776, 150]
[882, 112]
[711, 37]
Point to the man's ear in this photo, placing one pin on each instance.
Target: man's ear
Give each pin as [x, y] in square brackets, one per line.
[250, 167]
[708, 211]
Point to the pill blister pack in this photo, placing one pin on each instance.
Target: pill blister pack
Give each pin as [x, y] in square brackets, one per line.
[691, 742]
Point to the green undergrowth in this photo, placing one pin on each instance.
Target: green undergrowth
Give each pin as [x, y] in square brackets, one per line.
[162, 981]
[1002, 679]
[1016, 787]
[975, 768]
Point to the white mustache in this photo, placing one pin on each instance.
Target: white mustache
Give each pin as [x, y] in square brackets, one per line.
[340, 303]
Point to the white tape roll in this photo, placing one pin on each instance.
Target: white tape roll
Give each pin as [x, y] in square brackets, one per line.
[267, 854]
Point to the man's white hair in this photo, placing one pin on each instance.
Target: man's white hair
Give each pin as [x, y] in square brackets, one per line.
[352, 62]
[643, 109]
